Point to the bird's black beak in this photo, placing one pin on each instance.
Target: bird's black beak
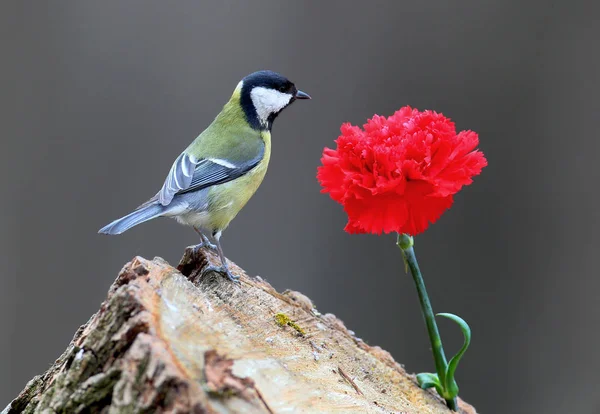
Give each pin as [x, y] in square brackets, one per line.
[302, 95]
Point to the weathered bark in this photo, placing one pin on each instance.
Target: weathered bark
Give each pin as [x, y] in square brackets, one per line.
[169, 341]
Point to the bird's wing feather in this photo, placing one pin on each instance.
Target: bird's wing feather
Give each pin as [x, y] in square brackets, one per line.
[190, 174]
[179, 178]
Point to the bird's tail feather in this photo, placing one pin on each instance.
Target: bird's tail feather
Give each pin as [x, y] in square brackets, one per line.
[142, 214]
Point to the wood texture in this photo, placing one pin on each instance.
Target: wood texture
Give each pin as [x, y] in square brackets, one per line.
[167, 340]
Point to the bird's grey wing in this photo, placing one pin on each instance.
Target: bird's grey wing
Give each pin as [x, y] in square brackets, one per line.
[179, 178]
[212, 171]
[188, 174]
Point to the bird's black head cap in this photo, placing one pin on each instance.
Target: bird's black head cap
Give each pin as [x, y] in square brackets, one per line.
[264, 95]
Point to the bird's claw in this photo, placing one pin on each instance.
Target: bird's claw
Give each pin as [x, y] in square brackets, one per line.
[205, 243]
[222, 270]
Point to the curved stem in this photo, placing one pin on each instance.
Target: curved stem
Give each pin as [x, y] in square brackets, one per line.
[441, 364]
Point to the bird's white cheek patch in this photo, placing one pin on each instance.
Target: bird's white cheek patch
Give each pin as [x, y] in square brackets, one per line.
[268, 101]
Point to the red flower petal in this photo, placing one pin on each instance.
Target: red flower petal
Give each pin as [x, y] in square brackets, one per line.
[399, 174]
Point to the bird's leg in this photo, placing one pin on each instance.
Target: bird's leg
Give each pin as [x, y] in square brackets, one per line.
[205, 242]
[223, 269]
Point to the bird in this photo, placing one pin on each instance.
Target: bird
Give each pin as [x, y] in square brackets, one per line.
[215, 176]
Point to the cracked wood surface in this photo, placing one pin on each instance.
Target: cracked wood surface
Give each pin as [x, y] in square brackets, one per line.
[166, 340]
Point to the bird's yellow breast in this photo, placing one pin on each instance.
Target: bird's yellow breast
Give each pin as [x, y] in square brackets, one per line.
[227, 199]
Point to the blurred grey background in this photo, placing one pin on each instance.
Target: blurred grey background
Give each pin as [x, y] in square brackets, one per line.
[98, 98]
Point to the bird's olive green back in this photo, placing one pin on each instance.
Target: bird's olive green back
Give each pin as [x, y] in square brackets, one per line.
[229, 136]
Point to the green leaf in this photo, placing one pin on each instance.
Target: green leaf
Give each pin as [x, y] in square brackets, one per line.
[450, 386]
[402, 241]
[405, 262]
[428, 380]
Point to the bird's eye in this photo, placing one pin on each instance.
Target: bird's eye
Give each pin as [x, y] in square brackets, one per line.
[282, 88]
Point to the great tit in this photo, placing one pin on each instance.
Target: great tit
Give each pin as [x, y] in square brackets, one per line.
[216, 175]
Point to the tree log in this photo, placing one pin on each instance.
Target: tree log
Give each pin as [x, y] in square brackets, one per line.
[169, 340]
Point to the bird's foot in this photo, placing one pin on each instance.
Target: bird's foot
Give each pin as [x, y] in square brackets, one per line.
[205, 243]
[224, 270]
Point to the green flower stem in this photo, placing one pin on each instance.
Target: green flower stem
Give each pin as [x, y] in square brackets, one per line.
[405, 242]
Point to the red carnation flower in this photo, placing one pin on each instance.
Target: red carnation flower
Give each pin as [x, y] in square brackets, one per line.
[400, 173]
